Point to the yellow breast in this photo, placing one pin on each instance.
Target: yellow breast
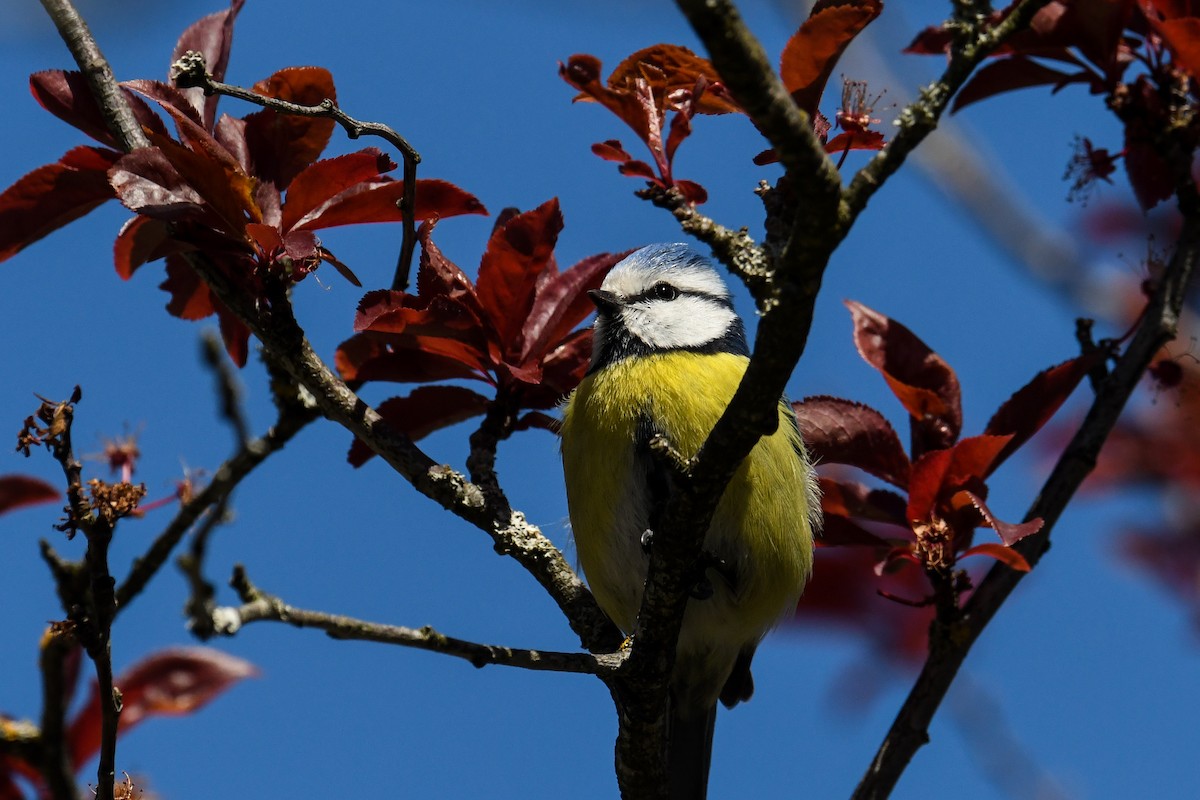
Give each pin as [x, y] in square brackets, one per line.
[761, 524]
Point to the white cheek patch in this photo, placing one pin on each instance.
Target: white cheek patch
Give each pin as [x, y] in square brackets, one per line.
[684, 322]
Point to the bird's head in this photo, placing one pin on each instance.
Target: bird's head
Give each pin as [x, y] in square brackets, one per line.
[664, 297]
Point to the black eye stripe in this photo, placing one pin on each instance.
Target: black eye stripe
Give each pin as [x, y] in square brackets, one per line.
[653, 294]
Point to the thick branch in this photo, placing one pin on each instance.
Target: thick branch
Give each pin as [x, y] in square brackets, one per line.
[259, 606]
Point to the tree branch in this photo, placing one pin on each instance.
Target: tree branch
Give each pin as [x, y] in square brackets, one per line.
[259, 606]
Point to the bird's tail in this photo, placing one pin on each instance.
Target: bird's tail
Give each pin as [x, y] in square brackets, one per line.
[689, 751]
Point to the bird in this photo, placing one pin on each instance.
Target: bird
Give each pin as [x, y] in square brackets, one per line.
[668, 352]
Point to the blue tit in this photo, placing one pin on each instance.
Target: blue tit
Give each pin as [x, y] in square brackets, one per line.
[668, 353]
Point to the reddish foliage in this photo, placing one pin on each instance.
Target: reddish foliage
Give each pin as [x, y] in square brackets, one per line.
[19, 491]
[945, 483]
[247, 193]
[170, 682]
[641, 91]
[1094, 43]
[810, 55]
[513, 328]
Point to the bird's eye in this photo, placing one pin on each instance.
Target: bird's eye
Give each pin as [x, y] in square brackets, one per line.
[663, 291]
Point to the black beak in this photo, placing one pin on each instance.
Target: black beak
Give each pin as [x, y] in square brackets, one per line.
[607, 303]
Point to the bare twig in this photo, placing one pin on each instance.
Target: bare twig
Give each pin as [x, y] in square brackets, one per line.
[198, 608]
[259, 606]
[229, 390]
[190, 72]
[224, 481]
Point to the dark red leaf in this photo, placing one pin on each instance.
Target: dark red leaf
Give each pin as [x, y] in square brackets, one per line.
[516, 254]
[141, 240]
[974, 458]
[234, 334]
[378, 201]
[838, 531]
[167, 96]
[865, 140]
[562, 303]
[281, 145]
[1008, 532]
[212, 36]
[841, 431]
[1149, 174]
[231, 133]
[853, 499]
[170, 682]
[636, 168]
[668, 69]
[367, 358]
[438, 275]
[1182, 36]
[19, 491]
[322, 180]
[536, 419]
[67, 96]
[693, 192]
[1031, 406]
[611, 150]
[562, 371]
[342, 269]
[583, 72]
[1005, 555]
[190, 297]
[52, 196]
[1013, 73]
[425, 410]
[924, 383]
[812, 52]
[925, 484]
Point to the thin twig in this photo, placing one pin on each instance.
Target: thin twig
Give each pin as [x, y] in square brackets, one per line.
[259, 606]
[229, 390]
[227, 477]
[198, 609]
[190, 72]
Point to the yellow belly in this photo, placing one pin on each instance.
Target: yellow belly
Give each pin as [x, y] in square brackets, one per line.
[761, 524]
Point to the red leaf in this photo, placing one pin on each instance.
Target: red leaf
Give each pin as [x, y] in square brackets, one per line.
[322, 180]
[438, 275]
[167, 96]
[611, 150]
[1149, 174]
[52, 196]
[378, 201]
[669, 68]
[852, 499]
[562, 303]
[636, 168]
[19, 491]
[234, 334]
[67, 96]
[838, 531]
[925, 485]
[170, 682]
[693, 192]
[190, 297]
[844, 432]
[583, 72]
[562, 371]
[1031, 406]
[811, 54]
[924, 383]
[516, 254]
[281, 145]
[1008, 532]
[1001, 553]
[141, 240]
[211, 36]
[853, 140]
[366, 358]
[1009, 74]
[974, 458]
[425, 410]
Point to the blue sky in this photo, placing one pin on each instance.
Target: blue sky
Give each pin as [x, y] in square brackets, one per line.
[1089, 668]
